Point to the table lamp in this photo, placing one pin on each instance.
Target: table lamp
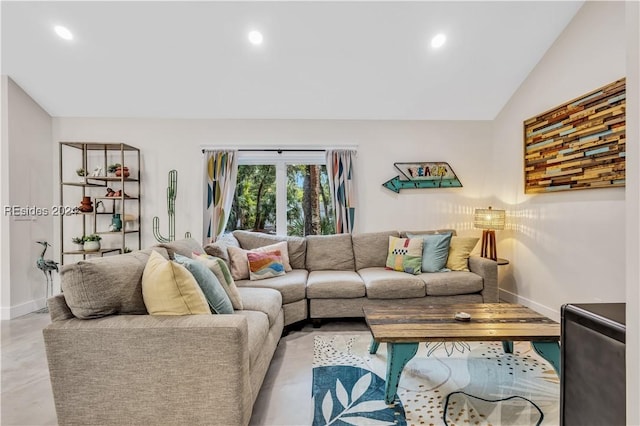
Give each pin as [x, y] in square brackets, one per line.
[489, 220]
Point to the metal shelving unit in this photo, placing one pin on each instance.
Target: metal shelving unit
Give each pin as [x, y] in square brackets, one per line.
[99, 155]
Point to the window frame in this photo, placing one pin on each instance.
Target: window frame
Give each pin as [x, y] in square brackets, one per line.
[280, 159]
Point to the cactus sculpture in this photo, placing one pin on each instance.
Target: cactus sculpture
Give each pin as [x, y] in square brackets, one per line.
[172, 191]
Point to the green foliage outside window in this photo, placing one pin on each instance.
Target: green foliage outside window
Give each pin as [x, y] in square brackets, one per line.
[309, 209]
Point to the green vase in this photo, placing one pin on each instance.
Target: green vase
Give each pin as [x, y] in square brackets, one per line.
[116, 222]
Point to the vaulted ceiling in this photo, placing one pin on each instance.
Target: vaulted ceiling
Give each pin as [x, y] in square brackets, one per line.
[318, 60]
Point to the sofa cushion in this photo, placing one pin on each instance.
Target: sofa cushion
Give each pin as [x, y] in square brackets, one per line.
[265, 300]
[383, 283]
[168, 288]
[435, 251]
[184, 247]
[330, 253]
[335, 284]
[217, 297]
[265, 265]
[296, 246]
[221, 271]
[258, 330]
[219, 248]
[459, 252]
[108, 285]
[290, 285]
[405, 255]
[370, 249]
[452, 283]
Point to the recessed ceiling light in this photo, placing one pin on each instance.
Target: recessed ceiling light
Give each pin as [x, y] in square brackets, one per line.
[438, 41]
[255, 37]
[63, 32]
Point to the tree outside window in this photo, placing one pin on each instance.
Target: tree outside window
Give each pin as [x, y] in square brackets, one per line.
[307, 204]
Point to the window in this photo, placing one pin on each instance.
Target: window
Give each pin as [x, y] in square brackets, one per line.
[282, 193]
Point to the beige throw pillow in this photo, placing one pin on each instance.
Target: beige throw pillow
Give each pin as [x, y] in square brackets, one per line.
[168, 288]
[459, 251]
[240, 263]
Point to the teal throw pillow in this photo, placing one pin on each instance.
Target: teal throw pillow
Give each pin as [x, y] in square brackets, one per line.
[213, 291]
[435, 251]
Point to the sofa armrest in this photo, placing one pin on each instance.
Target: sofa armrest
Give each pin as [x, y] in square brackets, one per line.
[488, 270]
[143, 369]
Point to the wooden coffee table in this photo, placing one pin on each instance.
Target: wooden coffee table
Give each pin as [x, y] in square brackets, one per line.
[403, 328]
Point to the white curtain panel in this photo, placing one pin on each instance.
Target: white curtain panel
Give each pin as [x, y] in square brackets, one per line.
[220, 174]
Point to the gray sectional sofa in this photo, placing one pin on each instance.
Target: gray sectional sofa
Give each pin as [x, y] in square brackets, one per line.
[335, 276]
[113, 364]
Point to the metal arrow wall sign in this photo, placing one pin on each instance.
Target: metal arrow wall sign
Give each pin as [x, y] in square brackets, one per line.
[424, 174]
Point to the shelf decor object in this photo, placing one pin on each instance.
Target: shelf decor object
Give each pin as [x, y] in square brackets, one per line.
[578, 145]
[106, 200]
[172, 192]
[423, 174]
[489, 220]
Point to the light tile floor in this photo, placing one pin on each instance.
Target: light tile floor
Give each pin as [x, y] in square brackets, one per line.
[284, 399]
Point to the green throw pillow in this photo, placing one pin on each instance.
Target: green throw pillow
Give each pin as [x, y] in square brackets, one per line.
[405, 254]
[221, 271]
[435, 251]
[214, 292]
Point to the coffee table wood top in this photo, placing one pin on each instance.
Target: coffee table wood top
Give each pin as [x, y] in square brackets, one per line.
[489, 322]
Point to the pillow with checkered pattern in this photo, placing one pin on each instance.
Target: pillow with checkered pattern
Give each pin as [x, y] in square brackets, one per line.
[405, 255]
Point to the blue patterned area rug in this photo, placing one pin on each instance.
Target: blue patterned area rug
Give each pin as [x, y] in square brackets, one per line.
[452, 383]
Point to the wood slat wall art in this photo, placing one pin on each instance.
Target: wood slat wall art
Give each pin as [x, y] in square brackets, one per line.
[578, 145]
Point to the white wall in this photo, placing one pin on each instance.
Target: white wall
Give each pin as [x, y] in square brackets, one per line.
[176, 144]
[633, 212]
[26, 170]
[5, 235]
[567, 246]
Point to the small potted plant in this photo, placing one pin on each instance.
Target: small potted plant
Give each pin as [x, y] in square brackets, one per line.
[112, 168]
[122, 171]
[82, 173]
[92, 242]
[78, 241]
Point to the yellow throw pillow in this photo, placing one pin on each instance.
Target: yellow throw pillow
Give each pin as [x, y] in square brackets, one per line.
[168, 288]
[459, 251]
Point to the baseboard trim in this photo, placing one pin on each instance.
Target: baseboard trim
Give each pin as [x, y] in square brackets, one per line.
[11, 312]
[507, 296]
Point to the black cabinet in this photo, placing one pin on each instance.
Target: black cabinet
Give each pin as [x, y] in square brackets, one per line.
[592, 380]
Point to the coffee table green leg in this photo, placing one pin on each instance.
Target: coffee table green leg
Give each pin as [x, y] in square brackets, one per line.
[549, 351]
[398, 356]
[507, 346]
[373, 347]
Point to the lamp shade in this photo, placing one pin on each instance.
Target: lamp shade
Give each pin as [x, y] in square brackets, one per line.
[489, 219]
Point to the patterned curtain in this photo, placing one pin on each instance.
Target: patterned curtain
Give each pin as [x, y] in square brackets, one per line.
[342, 187]
[220, 173]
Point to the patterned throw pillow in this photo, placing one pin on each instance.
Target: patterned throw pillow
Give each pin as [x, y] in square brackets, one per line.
[221, 271]
[239, 262]
[405, 254]
[265, 265]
